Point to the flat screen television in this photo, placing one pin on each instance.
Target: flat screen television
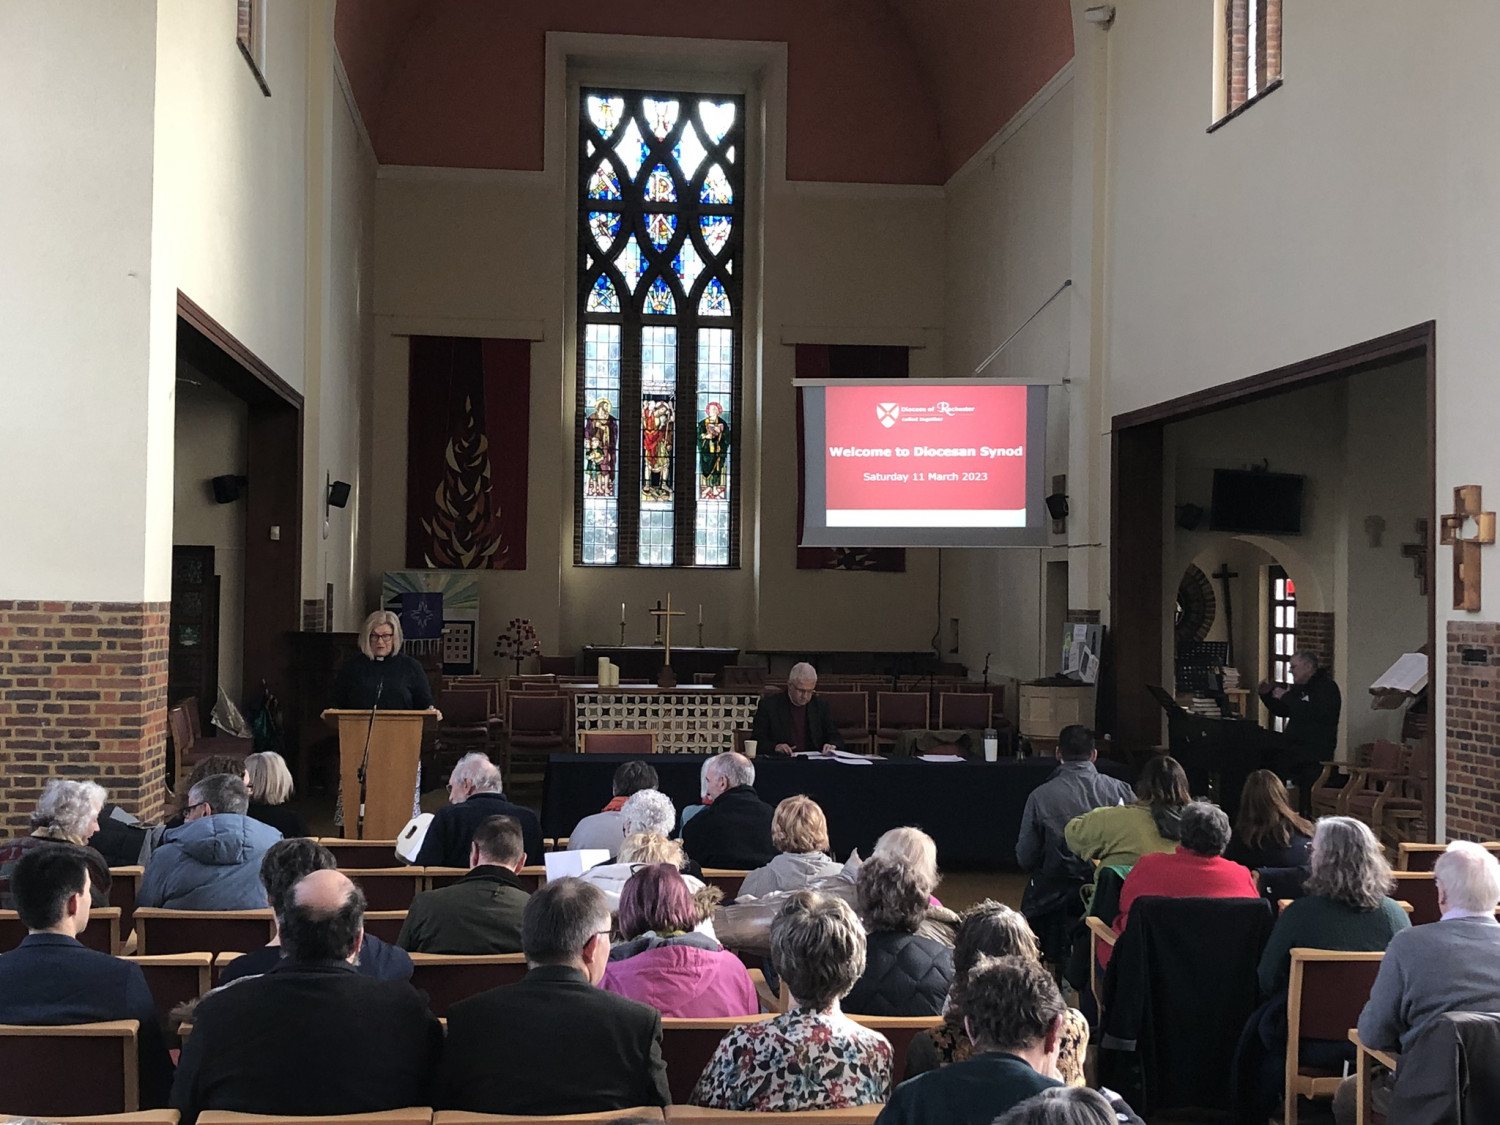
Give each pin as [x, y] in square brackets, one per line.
[1266, 503]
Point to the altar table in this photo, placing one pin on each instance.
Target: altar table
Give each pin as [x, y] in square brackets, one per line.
[687, 720]
[972, 809]
[644, 661]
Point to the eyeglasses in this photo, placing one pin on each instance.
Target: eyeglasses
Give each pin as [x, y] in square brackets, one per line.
[388, 635]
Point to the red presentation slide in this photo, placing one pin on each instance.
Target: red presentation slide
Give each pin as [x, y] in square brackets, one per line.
[926, 456]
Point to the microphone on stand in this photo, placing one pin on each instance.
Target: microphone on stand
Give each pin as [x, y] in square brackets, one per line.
[364, 763]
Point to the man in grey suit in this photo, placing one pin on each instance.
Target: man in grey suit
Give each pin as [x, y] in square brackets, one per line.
[1452, 965]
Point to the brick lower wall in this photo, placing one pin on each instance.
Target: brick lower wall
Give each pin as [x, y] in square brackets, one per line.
[83, 693]
[1315, 635]
[1473, 732]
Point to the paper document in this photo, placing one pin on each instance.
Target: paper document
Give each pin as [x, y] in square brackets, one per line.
[942, 757]
[1408, 674]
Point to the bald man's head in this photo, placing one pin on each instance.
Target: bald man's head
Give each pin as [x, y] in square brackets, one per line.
[325, 918]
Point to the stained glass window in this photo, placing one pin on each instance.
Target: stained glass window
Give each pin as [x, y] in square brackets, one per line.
[661, 204]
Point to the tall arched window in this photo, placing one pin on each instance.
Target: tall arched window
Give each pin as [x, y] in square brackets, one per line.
[661, 191]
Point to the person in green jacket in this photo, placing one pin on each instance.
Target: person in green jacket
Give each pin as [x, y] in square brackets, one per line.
[481, 912]
[1118, 835]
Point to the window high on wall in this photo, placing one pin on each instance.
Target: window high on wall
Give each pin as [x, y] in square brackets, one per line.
[1248, 58]
[660, 234]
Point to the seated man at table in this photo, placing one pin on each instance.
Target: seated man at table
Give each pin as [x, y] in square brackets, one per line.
[480, 913]
[474, 795]
[50, 979]
[796, 720]
[312, 1036]
[734, 831]
[606, 829]
[285, 863]
[554, 1042]
[212, 862]
[1051, 901]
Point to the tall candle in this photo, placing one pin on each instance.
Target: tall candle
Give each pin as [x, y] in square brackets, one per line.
[622, 613]
[700, 613]
[603, 676]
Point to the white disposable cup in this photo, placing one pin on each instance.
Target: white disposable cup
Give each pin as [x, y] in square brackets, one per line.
[991, 749]
[750, 745]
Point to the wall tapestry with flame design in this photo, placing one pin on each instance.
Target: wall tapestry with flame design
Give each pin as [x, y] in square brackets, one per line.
[468, 418]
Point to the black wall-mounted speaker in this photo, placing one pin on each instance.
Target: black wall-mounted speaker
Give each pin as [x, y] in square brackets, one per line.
[338, 494]
[228, 489]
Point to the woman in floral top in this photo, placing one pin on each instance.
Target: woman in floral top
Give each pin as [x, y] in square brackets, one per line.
[812, 1056]
[990, 929]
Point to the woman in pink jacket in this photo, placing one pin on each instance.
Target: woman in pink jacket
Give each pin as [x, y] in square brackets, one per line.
[662, 962]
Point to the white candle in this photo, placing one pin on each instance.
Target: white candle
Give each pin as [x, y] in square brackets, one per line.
[622, 613]
[700, 613]
[603, 676]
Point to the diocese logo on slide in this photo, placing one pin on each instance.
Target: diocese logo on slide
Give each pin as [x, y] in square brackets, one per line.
[887, 412]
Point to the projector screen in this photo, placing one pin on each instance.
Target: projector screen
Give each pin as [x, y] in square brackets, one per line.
[923, 463]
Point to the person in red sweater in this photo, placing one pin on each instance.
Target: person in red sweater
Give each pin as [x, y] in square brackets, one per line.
[1197, 869]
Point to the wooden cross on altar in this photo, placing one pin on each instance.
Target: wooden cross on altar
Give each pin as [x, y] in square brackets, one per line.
[1468, 503]
[667, 678]
[1417, 552]
[1224, 574]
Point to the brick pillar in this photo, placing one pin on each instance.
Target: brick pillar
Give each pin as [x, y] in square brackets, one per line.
[1239, 53]
[1272, 18]
[1473, 732]
[1315, 635]
[83, 693]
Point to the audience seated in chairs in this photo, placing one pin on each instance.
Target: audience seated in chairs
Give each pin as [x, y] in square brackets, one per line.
[474, 795]
[1119, 835]
[606, 829]
[1348, 907]
[213, 861]
[812, 1056]
[735, 830]
[913, 848]
[1014, 1013]
[664, 963]
[1269, 837]
[66, 813]
[311, 1036]
[799, 831]
[906, 973]
[481, 912]
[285, 862]
[1452, 965]
[1070, 1105]
[213, 764]
[1197, 869]
[270, 788]
[553, 1042]
[990, 929]
[1051, 901]
[51, 979]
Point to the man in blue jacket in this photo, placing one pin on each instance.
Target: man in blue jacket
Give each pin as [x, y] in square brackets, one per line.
[212, 862]
[51, 979]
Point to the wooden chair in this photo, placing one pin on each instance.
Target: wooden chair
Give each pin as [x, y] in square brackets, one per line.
[617, 742]
[688, 1044]
[221, 962]
[175, 978]
[389, 888]
[385, 924]
[1325, 995]
[416, 1115]
[101, 934]
[1381, 787]
[124, 882]
[965, 710]
[897, 711]
[47, 1072]
[466, 725]
[1423, 857]
[695, 1115]
[464, 1117]
[1365, 1059]
[1417, 888]
[850, 710]
[899, 1032]
[190, 931]
[531, 877]
[726, 879]
[535, 727]
[359, 854]
[558, 665]
[447, 979]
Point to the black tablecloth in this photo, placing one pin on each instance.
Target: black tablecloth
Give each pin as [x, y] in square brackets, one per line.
[972, 809]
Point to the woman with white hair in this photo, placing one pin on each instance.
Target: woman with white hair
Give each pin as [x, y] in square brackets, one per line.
[270, 786]
[67, 812]
[382, 675]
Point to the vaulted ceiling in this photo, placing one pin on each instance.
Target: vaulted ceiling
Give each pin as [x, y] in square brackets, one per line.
[878, 91]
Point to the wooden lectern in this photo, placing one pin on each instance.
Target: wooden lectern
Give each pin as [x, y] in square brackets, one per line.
[395, 750]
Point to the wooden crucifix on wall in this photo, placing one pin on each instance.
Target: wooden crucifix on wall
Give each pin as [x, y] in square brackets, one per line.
[1468, 503]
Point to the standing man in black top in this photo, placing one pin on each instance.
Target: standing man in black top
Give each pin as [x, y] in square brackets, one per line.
[1311, 706]
[796, 720]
